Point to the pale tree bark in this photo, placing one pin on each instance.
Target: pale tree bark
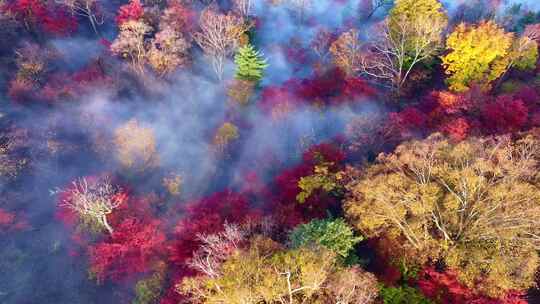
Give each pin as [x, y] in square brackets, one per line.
[243, 7]
[398, 48]
[215, 249]
[84, 8]
[95, 199]
[219, 37]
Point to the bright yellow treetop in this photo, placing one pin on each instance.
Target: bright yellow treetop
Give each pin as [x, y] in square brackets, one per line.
[478, 54]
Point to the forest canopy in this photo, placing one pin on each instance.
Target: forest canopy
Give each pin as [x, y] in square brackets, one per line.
[269, 151]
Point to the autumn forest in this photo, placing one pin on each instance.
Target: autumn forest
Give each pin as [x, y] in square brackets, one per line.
[269, 151]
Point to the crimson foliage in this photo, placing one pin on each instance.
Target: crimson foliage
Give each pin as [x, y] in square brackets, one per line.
[205, 216]
[284, 207]
[52, 19]
[134, 247]
[445, 288]
[131, 11]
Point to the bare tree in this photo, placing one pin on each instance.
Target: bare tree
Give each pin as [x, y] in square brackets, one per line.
[321, 43]
[169, 51]
[346, 52]
[532, 31]
[84, 8]
[219, 37]
[215, 249]
[131, 43]
[94, 199]
[399, 46]
[243, 7]
[353, 286]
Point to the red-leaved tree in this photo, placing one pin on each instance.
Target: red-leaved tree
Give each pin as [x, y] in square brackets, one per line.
[136, 246]
[284, 205]
[131, 11]
[207, 215]
[505, 114]
[446, 289]
[40, 15]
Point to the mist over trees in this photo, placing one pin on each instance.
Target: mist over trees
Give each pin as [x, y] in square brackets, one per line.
[269, 152]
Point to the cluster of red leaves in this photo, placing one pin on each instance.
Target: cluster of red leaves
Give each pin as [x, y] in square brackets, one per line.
[504, 114]
[446, 289]
[10, 222]
[328, 89]
[136, 246]
[462, 115]
[278, 101]
[131, 11]
[62, 86]
[6, 218]
[180, 17]
[457, 129]
[53, 19]
[20, 90]
[58, 22]
[283, 204]
[408, 122]
[205, 216]
[333, 88]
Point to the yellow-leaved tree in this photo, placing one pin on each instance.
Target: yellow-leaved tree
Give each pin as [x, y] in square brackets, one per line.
[474, 206]
[478, 55]
[266, 272]
[136, 146]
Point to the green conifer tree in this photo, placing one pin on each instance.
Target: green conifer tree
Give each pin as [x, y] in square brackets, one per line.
[250, 64]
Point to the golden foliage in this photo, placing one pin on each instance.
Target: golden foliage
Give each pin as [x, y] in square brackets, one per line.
[226, 134]
[173, 184]
[168, 51]
[524, 53]
[420, 21]
[130, 43]
[321, 179]
[453, 202]
[265, 272]
[240, 91]
[346, 52]
[136, 146]
[478, 54]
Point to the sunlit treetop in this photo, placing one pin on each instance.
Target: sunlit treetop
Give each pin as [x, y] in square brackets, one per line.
[460, 204]
[478, 54]
[409, 36]
[421, 21]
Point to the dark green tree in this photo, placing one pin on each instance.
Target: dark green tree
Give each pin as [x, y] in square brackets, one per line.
[250, 63]
[334, 234]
